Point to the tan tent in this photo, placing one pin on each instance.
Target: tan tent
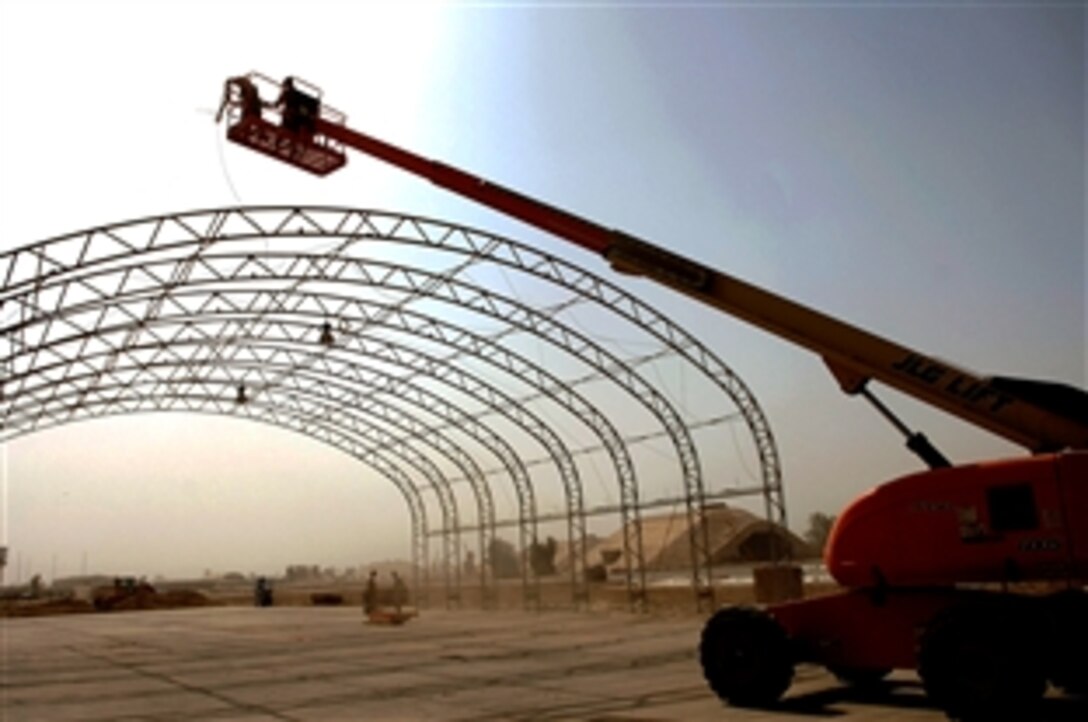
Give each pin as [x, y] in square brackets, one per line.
[736, 536]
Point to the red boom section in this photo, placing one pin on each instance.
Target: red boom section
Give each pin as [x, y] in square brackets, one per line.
[862, 354]
[549, 218]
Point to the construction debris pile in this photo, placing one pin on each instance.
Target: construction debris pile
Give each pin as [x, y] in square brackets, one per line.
[127, 594]
[124, 594]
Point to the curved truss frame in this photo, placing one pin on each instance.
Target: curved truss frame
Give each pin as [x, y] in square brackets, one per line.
[147, 267]
[289, 419]
[291, 368]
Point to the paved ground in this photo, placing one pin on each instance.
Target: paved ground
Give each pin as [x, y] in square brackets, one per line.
[325, 664]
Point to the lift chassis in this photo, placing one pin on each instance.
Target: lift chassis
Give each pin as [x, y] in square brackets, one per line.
[927, 562]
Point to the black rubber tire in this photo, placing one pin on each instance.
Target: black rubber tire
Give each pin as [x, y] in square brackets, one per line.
[860, 676]
[980, 662]
[746, 657]
[1068, 648]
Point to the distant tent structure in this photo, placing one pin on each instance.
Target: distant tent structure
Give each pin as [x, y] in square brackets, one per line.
[737, 536]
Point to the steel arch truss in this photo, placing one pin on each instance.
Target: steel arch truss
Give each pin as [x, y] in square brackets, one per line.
[312, 319]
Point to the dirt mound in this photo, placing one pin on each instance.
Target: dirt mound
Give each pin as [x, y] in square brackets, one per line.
[146, 597]
[38, 608]
[150, 599]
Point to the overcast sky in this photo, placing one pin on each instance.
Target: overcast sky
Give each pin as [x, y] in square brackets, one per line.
[916, 168]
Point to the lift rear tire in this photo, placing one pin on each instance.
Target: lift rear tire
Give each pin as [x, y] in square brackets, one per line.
[1068, 612]
[746, 657]
[979, 663]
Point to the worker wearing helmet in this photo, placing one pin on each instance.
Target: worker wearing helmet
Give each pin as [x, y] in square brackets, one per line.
[249, 99]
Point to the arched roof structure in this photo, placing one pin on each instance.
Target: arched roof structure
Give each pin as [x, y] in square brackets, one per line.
[362, 329]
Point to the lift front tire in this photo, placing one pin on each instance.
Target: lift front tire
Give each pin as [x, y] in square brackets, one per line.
[978, 662]
[746, 657]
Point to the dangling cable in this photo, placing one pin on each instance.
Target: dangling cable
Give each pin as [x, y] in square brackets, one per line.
[222, 158]
[226, 171]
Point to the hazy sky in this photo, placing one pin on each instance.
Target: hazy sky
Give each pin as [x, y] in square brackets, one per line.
[915, 168]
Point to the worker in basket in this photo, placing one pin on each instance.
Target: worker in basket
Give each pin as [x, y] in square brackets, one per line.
[299, 109]
[249, 99]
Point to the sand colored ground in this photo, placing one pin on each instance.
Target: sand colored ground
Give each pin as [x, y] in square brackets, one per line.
[324, 664]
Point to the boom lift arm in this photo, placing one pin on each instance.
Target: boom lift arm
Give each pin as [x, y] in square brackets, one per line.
[1039, 416]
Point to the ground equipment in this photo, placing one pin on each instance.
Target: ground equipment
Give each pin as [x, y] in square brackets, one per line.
[926, 561]
[262, 592]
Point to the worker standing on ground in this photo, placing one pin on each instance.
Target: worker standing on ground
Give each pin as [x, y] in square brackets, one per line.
[400, 592]
[370, 594]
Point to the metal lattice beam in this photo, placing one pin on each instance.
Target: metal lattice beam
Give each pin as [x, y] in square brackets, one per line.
[278, 340]
[282, 417]
[220, 263]
[26, 266]
[215, 269]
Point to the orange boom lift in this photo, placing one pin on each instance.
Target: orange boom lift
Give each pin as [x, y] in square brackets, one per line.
[925, 560]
